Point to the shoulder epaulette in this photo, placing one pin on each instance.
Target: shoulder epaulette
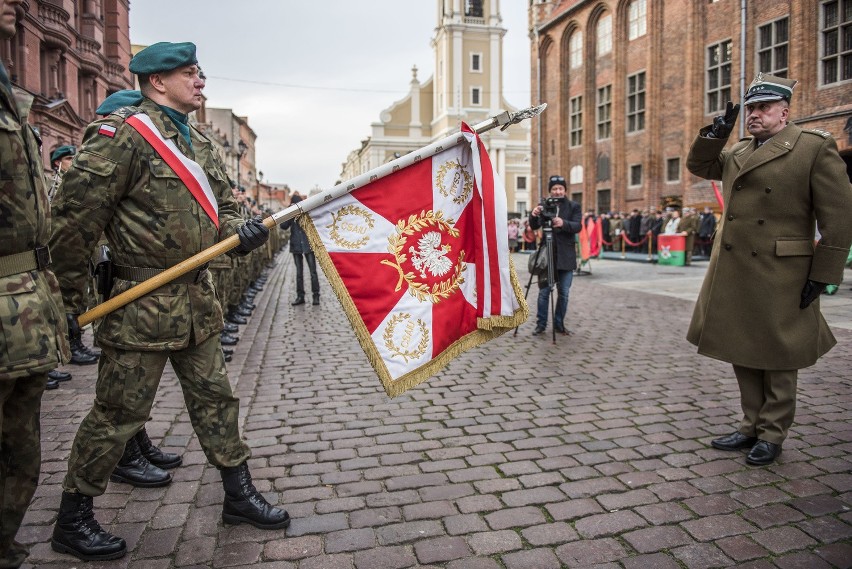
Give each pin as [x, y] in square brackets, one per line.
[818, 131]
[125, 112]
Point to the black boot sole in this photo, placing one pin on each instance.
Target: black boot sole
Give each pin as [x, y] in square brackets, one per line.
[62, 548]
[233, 520]
[138, 484]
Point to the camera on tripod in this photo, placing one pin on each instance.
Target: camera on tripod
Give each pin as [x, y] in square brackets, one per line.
[550, 209]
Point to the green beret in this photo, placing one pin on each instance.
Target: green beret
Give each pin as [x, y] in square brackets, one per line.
[62, 152]
[163, 56]
[125, 98]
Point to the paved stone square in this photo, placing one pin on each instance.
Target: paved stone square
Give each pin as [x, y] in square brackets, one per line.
[522, 454]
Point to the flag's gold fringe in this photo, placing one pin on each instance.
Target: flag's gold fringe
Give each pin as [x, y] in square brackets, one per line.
[489, 328]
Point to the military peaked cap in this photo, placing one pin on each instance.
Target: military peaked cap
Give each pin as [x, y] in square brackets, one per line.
[62, 152]
[769, 88]
[163, 56]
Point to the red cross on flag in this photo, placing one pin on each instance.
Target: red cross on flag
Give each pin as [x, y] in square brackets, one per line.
[420, 261]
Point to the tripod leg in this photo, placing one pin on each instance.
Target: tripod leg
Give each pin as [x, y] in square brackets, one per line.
[526, 293]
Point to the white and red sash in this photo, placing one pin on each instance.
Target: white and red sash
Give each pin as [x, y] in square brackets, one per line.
[189, 172]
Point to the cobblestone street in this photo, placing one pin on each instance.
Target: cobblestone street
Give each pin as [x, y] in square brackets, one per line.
[522, 454]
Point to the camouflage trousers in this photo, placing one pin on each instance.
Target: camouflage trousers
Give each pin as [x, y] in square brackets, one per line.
[20, 459]
[124, 394]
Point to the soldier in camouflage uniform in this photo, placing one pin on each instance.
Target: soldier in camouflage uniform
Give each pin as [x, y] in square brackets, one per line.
[33, 337]
[121, 186]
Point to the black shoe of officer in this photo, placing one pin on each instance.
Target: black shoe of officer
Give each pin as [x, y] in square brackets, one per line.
[134, 469]
[244, 504]
[300, 299]
[247, 303]
[248, 307]
[160, 459]
[231, 328]
[51, 383]
[228, 340]
[80, 354]
[235, 318]
[78, 532]
[316, 299]
[228, 357]
[227, 352]
[240, 311]
[59, 375]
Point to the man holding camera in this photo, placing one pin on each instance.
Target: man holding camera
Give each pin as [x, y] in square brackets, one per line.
[564, 218]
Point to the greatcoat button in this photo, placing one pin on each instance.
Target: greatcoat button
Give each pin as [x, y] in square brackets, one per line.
[730, 217]
[754, 253]
[739, 187]
[727, 246]
[768, 190]
[760, 222]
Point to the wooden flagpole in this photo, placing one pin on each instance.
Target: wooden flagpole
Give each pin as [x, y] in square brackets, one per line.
[503, 120]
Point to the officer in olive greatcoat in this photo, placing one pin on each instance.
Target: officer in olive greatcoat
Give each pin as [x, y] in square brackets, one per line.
[32, 320]
[759, 306]
[154, 186]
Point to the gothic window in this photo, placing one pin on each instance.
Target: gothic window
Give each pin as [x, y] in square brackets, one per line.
[602, 174]
[836, 41]
[673, 170]
[772, 40]
[718, 76]
[575, 48]
[604, 30]
[636, 19]
[636, 102]
[576, 121]
[604, 118]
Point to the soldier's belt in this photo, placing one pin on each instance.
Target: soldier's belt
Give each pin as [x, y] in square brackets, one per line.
[139, 274]
[35, 260]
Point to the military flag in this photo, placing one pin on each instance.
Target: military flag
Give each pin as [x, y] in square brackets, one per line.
[420, 262]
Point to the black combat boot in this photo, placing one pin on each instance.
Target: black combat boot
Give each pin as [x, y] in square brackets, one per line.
[244, 504]
[231, 328]
[51, 383]
[78, 532]
[300, 299]
[160, 459]
[59, 375]
[235, 318]
[240, 311]
[316, 299]
[134, 469]
[228, 340]
[80, 354]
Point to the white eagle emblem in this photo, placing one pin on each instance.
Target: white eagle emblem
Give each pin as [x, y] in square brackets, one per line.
[431, 256]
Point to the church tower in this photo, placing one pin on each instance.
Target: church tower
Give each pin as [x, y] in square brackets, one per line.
[466, 86]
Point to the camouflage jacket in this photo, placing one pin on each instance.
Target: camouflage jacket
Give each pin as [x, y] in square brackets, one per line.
[32, 319]
[118, 185]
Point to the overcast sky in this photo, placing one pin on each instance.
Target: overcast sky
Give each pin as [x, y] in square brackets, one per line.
[312, 75]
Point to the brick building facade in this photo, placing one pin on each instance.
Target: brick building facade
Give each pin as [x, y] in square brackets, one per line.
[68, 55]
[629, 82]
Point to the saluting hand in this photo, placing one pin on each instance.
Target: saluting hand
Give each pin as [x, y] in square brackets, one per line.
[724, 124]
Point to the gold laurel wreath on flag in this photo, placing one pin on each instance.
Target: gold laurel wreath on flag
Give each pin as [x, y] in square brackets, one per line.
[460, 172]
[388, 337]
[338, 216]
[397, 242]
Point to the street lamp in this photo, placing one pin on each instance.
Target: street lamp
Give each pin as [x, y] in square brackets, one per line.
[241, 149]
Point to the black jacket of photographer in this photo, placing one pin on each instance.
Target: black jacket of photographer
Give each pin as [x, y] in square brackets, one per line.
[565, 252]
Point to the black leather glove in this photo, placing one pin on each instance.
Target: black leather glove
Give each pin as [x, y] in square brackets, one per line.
[810, 293]
[253, 233]
[723, 125]
[74, 331]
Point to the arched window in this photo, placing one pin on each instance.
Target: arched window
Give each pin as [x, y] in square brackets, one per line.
[575, 50]
[636, 19]
[604, 31]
